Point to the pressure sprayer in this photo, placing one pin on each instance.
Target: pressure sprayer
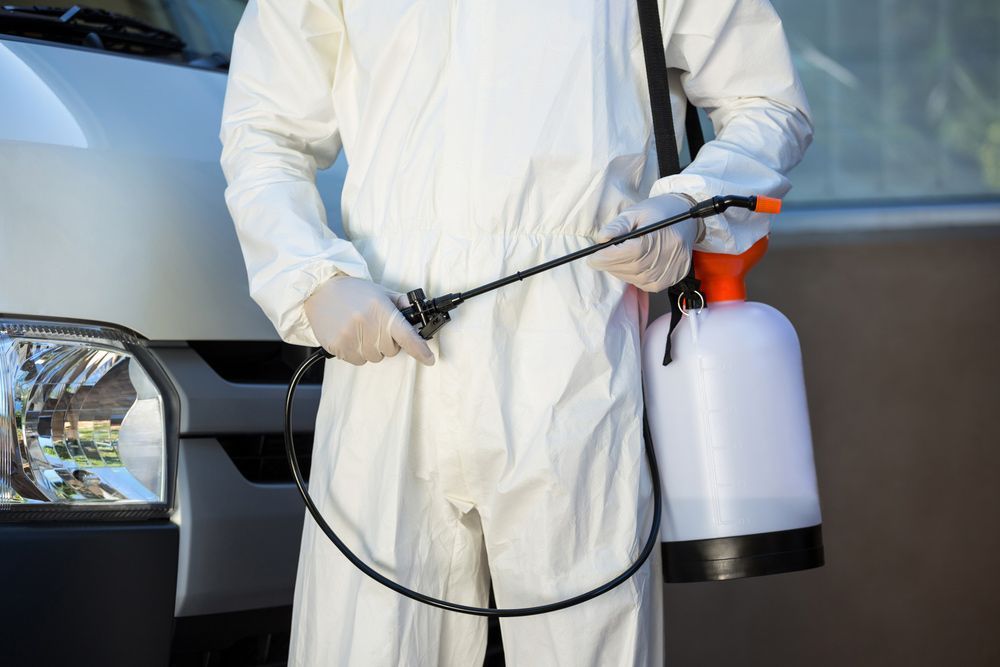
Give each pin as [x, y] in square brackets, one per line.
[727, 417]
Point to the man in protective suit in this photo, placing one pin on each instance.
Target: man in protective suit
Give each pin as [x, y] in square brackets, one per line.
[482, 138]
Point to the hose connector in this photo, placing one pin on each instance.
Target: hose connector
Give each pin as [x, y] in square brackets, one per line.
[429, 315]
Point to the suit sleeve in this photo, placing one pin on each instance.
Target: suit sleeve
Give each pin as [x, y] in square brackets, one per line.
[278, 127]
[735, 63]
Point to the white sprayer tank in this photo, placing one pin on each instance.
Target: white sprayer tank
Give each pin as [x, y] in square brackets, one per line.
[730, 426]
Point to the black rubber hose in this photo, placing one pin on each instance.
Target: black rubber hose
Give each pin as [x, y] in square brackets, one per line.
[651, 542]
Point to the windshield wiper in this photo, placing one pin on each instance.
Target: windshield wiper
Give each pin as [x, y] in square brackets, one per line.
[97, 28]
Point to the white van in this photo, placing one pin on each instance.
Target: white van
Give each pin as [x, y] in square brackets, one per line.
[146, 508]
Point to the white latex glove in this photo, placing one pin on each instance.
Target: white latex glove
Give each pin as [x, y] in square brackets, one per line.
[359, 321]
[656, 261]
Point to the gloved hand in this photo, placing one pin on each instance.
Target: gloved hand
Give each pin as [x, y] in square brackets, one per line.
[658, 260]
[358, 321]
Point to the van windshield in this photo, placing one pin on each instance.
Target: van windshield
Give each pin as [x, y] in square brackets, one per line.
[196, 32]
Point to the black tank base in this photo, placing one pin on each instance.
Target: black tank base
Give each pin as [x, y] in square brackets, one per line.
[742, 556]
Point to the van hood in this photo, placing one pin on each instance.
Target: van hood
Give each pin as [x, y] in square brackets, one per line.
[111, 195]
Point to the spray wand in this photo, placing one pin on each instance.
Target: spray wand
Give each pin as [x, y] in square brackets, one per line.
[429, 315]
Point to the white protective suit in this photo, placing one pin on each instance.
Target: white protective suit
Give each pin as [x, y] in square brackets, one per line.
[485, 137]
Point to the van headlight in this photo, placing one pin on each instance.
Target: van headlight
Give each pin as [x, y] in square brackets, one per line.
[88, 424]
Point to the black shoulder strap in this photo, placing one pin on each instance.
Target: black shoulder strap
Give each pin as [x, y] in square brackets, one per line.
[692, 125]
[659, 93]
[667, 157]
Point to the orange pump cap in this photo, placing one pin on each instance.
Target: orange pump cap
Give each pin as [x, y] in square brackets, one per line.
[722, 275]
[768, 205]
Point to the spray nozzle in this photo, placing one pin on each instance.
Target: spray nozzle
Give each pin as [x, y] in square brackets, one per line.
[717, 205]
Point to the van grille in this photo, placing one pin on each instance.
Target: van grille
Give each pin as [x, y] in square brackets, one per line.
[261, 458]
[256, 362]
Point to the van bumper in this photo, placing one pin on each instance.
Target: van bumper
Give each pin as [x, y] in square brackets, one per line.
[88, 593]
